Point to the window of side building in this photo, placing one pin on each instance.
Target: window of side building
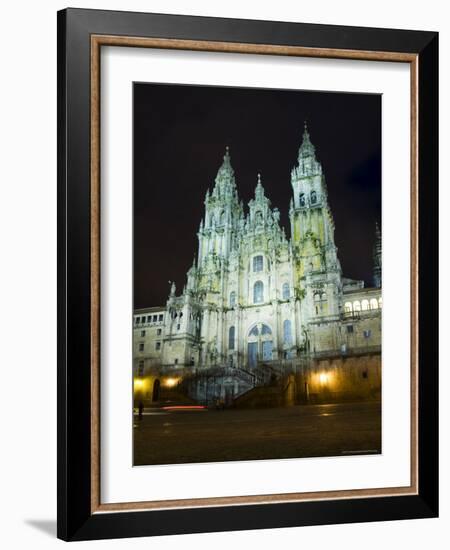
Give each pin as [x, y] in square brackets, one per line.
[141, 368]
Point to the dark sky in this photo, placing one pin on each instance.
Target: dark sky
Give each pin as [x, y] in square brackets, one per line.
[180, 134]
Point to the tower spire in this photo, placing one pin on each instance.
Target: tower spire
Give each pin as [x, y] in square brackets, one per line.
[377, 267]
[225, 175]
[307, 149]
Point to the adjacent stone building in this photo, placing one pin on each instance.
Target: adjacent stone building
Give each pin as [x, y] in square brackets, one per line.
[256, 299]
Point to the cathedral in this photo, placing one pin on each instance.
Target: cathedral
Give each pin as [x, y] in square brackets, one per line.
[255, 297]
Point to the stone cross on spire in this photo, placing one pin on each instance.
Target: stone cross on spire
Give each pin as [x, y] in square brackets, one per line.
[259, 190]
[226, 164]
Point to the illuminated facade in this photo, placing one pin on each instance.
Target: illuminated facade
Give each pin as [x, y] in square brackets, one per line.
[255, 297]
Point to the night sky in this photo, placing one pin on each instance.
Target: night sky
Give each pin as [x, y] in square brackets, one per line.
[180, 135]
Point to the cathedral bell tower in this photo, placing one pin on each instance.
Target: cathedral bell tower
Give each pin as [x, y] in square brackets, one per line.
[317, 271]
[222, 210]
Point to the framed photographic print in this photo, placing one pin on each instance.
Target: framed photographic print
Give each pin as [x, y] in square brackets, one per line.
[247, 274]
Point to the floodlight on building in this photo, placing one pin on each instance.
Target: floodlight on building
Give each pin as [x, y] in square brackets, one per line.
[171, 382]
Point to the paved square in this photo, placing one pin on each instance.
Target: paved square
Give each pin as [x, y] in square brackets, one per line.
[165, 437]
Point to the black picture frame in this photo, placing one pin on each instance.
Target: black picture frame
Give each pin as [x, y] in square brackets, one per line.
[76, 521]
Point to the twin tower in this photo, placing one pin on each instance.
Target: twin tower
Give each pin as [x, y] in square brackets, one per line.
[229, 238]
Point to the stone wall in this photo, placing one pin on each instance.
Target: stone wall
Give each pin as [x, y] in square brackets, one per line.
[337, 379]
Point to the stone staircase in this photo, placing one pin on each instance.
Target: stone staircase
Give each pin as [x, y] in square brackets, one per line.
[280, 393]
[222, 384]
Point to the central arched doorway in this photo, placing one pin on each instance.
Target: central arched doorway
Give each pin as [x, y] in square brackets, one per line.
[259, 344]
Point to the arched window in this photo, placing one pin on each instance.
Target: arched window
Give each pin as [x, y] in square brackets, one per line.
[348, 307]
[365, 305]
[232, 298]
[373, 303]
[287, 332]
[380, 302]
[231, 338]
[356, 306]
[222, 217]
[254, 331]
[286, 291]
[265, 329]
[320, 303]
[302, 199]
[212, 221]
[259, 218]
[313, 197]
[257, 263]
[258, 292]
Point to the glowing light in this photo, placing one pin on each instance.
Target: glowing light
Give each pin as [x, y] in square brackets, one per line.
[323, 377]
[171, 382]
[138, 384]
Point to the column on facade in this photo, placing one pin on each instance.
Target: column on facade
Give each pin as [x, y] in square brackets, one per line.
[238, 337]
[277, 328]
[200, 248]
[294, 302]
[297, 322]
[243, 288]
[275, 306]
[205, 335]
[220, 328]
[218, 323]
[221, 346]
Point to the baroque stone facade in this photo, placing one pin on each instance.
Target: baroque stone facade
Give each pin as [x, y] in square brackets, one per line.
[254, 296]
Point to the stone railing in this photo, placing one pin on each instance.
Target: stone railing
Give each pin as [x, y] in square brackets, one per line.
[349, 352]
